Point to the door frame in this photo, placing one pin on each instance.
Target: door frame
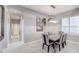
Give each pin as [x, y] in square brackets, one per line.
[19, 29]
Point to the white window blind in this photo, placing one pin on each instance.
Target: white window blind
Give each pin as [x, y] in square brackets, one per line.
[74, 24]
[65, 25]
[70, 24]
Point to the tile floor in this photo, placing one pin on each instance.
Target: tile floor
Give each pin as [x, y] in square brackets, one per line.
[36, 47]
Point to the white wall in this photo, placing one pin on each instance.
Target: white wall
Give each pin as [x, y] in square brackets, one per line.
[53, 27]
[29, 17]
[30, 33]
[3, 43]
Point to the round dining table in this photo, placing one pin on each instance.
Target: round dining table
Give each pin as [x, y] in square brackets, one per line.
[54, 36]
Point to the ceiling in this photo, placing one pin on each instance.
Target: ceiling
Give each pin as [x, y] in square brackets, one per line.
[46, 9]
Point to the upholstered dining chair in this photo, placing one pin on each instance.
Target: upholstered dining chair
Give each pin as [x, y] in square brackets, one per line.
[46, 41]
[64, 40]
[59, 43]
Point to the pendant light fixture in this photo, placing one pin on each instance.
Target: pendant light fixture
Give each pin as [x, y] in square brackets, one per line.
[52, 19]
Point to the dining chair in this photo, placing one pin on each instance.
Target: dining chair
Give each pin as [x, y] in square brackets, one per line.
[64, 40]
[59, 43]
[46, 42]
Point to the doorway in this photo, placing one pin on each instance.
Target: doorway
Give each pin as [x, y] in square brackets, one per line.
[15, 28]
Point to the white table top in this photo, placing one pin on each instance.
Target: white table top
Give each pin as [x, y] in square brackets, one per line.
[54, 37]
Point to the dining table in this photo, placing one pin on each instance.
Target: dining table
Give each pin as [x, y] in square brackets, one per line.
[54, 36]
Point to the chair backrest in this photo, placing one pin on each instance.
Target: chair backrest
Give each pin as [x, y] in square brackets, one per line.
[65, 37]
[60, 32]
[45, 39]
[61, 38]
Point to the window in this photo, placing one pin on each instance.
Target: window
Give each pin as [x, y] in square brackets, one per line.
[65, 25]
[74, 24]
[70, 24]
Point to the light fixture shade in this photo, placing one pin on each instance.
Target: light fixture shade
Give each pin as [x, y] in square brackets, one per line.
[53, 21]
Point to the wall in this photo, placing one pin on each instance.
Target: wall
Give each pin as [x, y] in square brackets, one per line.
[30, 28]
[54, 27]
[29, 17]
[30, 33]
[3, 43]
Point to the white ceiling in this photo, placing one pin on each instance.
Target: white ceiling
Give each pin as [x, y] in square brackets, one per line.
[46, 9]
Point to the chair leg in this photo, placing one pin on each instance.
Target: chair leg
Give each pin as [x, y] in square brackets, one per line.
[65, 42]
[54, 48]
[62, 45]
[48, 47]
[43, 46]
[59, 48]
